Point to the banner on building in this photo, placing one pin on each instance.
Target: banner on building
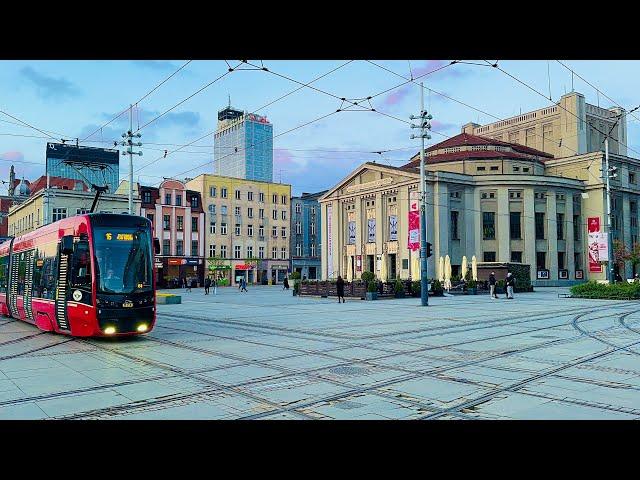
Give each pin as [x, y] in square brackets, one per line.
[329, 243]
[352, 233]
[393, 227]
[371, 237]
[358, 263]
[414, 221]
[598, 246]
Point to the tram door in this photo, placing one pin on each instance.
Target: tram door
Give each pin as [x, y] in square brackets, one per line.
[65, 248]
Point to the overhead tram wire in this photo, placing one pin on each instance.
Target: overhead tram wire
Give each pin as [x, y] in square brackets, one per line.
[32, 127]
[200, 90]
[137, 102]
[260, 108]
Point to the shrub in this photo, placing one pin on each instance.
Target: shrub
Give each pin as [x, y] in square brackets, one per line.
[437, 288]
[295, 276]
[296, 287]
[367, 276]
[398, 287]
[415, 287]
[606, 291]
[372, 287]
[223, 282]
[472, 284]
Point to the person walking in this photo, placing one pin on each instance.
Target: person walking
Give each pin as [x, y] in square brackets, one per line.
[207, 285]
[510, 283]
[215, 286]
[243, 284]
[285, 284]
[492, 285]
[340, 289]
[183, 283]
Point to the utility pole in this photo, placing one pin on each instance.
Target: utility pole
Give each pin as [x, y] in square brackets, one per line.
[129, 143]
[424, 126]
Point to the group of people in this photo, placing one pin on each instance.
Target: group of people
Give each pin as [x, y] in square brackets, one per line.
[510, 283]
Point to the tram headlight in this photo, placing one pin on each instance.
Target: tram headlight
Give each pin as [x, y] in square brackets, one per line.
[143, 327]
[110, 330]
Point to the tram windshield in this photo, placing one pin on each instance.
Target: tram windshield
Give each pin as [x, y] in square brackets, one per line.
[123, 259]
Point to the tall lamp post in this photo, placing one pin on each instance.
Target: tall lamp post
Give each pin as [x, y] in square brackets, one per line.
[424, 126]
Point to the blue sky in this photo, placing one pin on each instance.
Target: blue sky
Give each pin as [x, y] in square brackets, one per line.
[75, 98]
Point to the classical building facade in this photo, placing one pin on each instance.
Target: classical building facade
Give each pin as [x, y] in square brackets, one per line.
[305, 235]
[247, 229]
[499, 201]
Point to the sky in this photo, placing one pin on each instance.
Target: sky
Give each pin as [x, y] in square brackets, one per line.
[75, 99]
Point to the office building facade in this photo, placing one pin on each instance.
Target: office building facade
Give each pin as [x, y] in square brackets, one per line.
[305, 235]
[100, 166]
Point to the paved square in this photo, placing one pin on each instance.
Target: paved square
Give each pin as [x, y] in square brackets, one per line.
[268, 355]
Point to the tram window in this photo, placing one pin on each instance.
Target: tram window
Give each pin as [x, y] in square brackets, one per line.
[22, 271]
[4, 263]
[38, 263]
[81, 265]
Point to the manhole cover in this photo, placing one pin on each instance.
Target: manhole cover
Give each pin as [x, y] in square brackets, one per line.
[349, 371]
[347, 405]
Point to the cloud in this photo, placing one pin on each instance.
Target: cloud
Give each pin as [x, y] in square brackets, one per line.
[50, 87]
[439, 126]
[187, 119]
[397, 96]
[12, 156]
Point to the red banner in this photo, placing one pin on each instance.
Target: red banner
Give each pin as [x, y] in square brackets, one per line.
[593, 225]
[414, 222]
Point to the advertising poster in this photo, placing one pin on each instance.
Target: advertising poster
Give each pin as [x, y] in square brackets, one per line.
[329, 243]
[393, 227]
[371, 238]
[597, 245]
[414, 222]
[352, 233]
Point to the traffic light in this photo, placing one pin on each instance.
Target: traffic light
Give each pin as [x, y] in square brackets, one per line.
[429, 252]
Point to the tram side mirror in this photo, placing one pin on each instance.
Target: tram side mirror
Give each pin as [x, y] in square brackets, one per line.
[67, 244]
[156, 246]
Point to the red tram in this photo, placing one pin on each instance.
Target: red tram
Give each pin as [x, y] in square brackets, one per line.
[88, 275]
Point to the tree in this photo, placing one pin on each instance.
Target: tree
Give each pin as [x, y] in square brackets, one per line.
[620, 254]
[634, 256]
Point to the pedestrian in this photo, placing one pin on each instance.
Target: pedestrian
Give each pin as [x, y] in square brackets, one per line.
[510, 283]
[285, 284]
[183, 283]
[188, 284]
[340, 289]
[215, 286]
[492, 285]
[207, 285]
[304, 278]
[243, 285]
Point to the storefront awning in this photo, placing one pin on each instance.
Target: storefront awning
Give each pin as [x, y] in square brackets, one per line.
[245, 266]
[220, 267]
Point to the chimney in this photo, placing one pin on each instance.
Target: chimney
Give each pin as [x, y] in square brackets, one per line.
[469, 127]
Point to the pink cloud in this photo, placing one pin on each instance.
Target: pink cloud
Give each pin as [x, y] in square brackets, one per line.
[12, 156]
[282, 157]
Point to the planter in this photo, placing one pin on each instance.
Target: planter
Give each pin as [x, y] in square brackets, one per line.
[399, 295]
[371, 296]
[295, 294]
[166, 299]
[473, 291]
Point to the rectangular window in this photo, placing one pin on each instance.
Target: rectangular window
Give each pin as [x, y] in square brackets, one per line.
[250, 196]
[313, 228]
[223, 192]
[59, 214]
[539, 226]
[166, 247]
[261, 197]
[250, 212]
[223, 229]
[250, 230]
[249, 251]
[178, 200]
[223, 251]
[313, 249]
[260, 252]
[480, 169]
[274, 232]
[454, 226]
[283, 233]
[237, 229]
[516, 257]
[179, 247]
[489, 256]
[576, 227]
[560, 222]
[212, 192]
[515, 229]
[261, 213]
[284, 214]
[561, 265]
[236, 252]
[212, 251]
[237, 194]
[488, 226]
[150, 217]
[541, 260]
[298, 228]
[298, 208]
[298, 250]
[166, 222]
[632, 177]
[167, 199]
[284, 199]
[146, 197]
[79, 211]
[194, 224]
[261, 232]
[275, 215]
[194, 201]
[274, 198]
[283, 253]
[212, 228]
[194, 248]
[180, 223]
[223, 210]
[237, 210]
[494, 168]
[274, 253]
